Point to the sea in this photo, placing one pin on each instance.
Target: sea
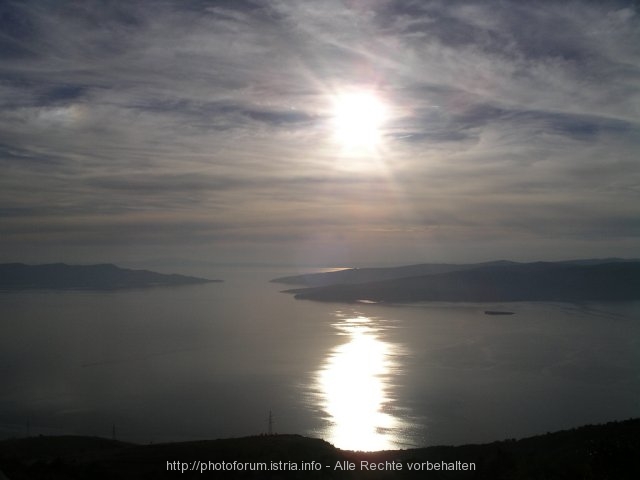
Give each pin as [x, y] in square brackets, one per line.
[241, 358]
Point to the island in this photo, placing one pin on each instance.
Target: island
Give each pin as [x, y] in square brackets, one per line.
[60, 276]
[572, 281]
[373, 274]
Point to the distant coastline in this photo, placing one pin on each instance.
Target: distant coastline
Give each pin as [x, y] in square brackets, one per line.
[60, 276]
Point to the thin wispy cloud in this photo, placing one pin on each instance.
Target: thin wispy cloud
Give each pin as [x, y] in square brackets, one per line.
[129, 128]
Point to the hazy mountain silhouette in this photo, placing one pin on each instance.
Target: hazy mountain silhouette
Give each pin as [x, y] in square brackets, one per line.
[95, 277]
[497, 282]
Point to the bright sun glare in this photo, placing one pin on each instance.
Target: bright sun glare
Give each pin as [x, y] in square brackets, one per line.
[357, 120]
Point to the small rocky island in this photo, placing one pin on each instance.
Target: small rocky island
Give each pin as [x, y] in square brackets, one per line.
[60, 276]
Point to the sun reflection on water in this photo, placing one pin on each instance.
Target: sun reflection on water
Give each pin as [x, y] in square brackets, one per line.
[354, 382]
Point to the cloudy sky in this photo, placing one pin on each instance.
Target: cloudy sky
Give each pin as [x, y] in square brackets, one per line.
[206, 131]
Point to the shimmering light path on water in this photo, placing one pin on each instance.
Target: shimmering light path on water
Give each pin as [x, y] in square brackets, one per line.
[354, 384]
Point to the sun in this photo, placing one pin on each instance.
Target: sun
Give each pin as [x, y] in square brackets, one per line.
[357, 120]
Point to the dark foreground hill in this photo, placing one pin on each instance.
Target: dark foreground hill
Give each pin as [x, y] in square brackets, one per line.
[592, 452]
[61, 276]
[497, 282]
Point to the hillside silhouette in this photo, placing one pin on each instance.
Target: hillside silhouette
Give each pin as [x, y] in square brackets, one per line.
[607, 451]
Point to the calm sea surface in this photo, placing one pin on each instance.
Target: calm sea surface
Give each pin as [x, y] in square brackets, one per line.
[211, 361]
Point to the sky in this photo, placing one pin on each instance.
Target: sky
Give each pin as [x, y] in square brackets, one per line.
[170, 133]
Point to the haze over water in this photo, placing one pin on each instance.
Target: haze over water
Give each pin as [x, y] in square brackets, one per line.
[210, 361]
